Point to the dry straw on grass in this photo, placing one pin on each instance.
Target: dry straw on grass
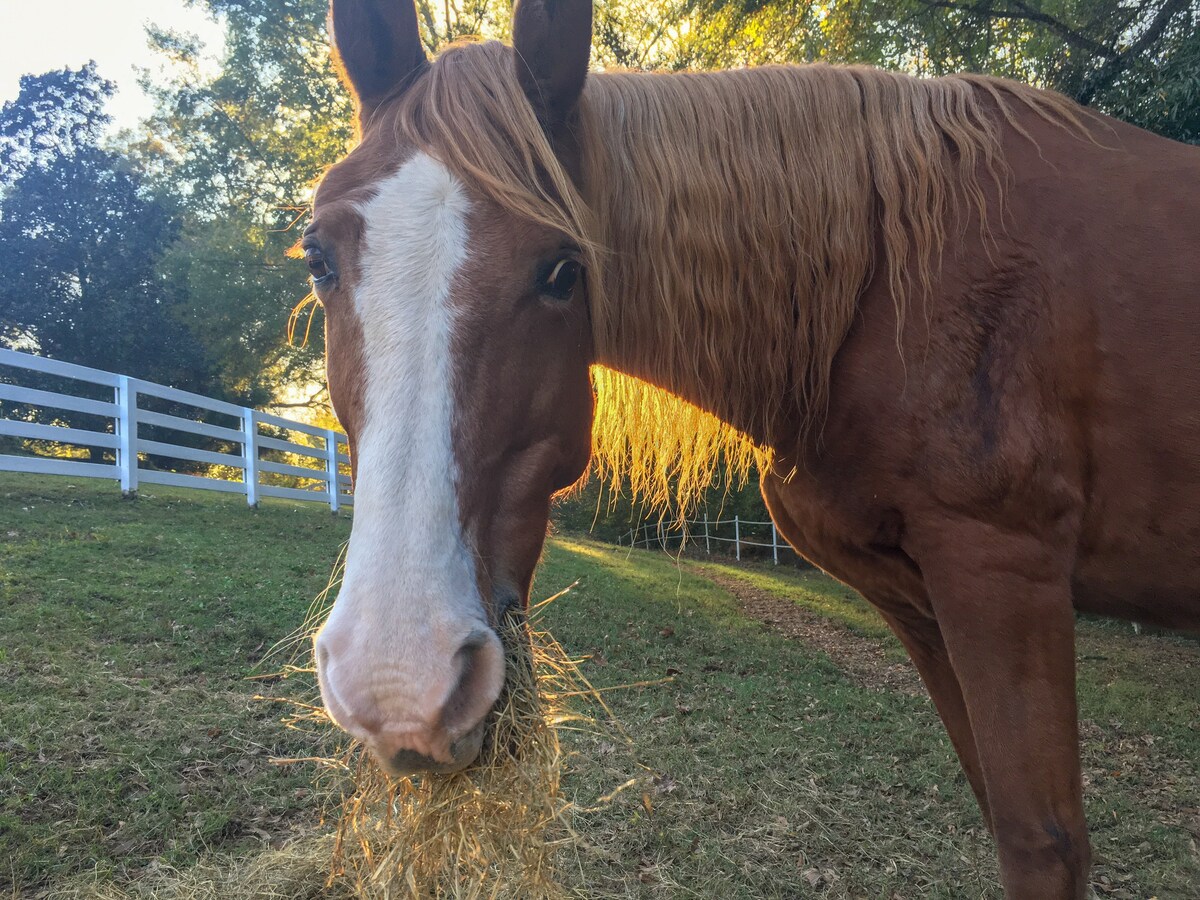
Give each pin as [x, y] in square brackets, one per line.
[299, 871]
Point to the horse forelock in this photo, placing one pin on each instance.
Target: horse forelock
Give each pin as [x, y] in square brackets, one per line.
[730, 222]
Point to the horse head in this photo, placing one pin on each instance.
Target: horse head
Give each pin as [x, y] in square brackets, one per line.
[459, 345]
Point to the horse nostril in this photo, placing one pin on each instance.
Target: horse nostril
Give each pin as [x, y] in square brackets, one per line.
[481, 672]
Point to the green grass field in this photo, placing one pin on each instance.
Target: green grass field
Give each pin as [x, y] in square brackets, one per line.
[130, 739]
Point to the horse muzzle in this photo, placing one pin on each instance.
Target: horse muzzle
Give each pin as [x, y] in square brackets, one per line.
[423, 709]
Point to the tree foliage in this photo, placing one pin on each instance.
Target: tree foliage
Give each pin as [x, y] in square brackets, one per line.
[246, 147]
[54, 115]
[83, 236]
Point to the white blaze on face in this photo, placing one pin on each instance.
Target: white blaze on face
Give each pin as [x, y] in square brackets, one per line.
[389, 653]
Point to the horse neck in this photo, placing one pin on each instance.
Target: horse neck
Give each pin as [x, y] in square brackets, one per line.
[746, 212]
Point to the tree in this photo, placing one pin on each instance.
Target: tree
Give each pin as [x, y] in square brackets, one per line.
[82, 238]
[54, 115]
[81, 243]
[1135, 59]
[246, 147]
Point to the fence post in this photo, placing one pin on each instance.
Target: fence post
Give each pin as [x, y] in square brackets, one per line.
[250, 456]
[127, 432]
[774, 542]
[737, 539]
[331, 467]
[707, 546]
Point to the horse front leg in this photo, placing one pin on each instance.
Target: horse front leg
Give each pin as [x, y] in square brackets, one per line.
[1003, 604]
[923, 640]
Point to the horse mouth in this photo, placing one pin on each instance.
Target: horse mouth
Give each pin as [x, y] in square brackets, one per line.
[463, 752]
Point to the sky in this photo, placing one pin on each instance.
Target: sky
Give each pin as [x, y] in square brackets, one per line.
[41, 35]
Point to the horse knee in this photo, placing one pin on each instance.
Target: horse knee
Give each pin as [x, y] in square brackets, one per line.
[1073, 849]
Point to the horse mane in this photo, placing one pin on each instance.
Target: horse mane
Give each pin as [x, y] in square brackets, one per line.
[729, 221]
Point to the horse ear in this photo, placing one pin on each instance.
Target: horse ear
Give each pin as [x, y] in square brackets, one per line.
[378, 48]
[553, 40]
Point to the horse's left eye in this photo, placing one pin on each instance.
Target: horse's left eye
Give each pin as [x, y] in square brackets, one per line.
[560, 282]
[315, 259]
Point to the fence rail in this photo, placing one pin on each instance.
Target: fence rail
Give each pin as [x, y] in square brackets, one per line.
[143, 425]
[652, 534]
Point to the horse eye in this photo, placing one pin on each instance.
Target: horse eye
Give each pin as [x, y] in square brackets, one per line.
[561, 281]
[316, 263]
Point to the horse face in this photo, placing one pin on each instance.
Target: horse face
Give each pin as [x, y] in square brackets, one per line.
[458, 349]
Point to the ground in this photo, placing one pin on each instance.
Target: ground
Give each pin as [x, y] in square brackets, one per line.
[791, 753]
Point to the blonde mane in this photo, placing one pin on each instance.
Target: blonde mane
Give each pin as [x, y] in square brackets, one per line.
[730, 221]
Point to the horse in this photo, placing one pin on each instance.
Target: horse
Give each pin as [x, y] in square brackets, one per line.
[956, 320]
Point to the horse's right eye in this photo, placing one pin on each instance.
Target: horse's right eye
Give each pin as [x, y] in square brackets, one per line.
[315, 260]
[562, 278]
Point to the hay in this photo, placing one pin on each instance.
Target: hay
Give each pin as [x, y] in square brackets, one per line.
[496, 830]
[298, 871]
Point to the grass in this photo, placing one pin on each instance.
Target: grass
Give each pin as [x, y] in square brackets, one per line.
[128, 735]
[130, 740]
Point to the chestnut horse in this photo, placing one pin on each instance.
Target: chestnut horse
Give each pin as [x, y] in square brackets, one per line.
[959, 316]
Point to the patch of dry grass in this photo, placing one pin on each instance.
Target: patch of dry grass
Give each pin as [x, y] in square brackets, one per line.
[299, 871]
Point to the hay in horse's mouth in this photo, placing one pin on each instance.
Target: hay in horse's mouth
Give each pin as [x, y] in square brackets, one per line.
[499, 822]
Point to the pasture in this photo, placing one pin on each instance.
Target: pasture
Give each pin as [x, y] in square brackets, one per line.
[768, 765]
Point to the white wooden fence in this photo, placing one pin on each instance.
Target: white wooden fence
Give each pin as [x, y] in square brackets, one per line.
[247, 451]
[658, 534]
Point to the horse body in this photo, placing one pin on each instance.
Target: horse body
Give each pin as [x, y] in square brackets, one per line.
[1052, 376]
[961, 315]
[1033, 446]
[1139, 542]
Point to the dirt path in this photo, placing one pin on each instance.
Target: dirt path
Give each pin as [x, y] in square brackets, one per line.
[866, 661]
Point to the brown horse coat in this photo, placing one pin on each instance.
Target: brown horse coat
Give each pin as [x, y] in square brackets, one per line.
[1037, 448]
